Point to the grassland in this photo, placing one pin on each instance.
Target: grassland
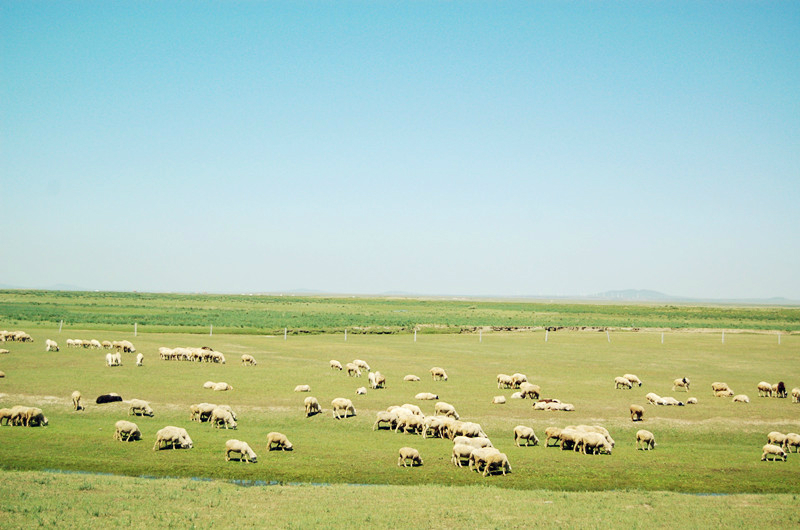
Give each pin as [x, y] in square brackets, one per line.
[708, 449]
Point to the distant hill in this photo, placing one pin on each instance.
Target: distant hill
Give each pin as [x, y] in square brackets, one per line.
[643, 295]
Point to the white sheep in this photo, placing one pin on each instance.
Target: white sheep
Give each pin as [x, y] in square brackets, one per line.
[529, 390]
[362, 364]
[384, 416]
[76, 400]
[336, 365]
[741, 398]
[773, 451]
[594, 443]
[776, 438]
[637, 412]
[426, 396]
[248, 360]
[717, 386]
[477, 442]
[479, 456]
[342, 408]
[246, 454]
[410, 423]
[496, 462]
[201, 412]
[792, 440]
[171, 436]
[311, 406]
[724, 393]
[621, 382]
[552, 433]
[691, 401]
[516, 395]
[353, 370]
[222, 387]
[796, 395]
[445, 409]
[517, 379]
[140, 408]
[681, 383]
[435, 425]
[411, 378]
[415, 410]
[498, 400]
[209, 384]
[221, 417]
[764, 389]
[645, 440]
[406, 454]
[360, 391]
[139, 359]
[522, 432]
[669, 400]
[277, 440]
[126, 431]
[302, 388]
[633, 379]
[94, 343]
[438, 373]
[461, 452]
[504, 381]
[51, 345]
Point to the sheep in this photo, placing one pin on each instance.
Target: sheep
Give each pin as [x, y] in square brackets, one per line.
[434, 425]
[529, 390]
[360, 391]
[426, 396]
[571, 439]
[336, 365]
[669, 400]
[411, 378]
[652, 398]
[764, 389]
[222, 387]
[594, 443]
[796, 395]
[637, 413]
[645, 440]
[522, 432]
[552, 433]
[27, 416]
[361, 364]
[94, 343]
[517, 379]
[140, 408]
[479, 456]
[5, 414]
[411, 423]
[384, 416]
[781, 390]
[108, 398]
[2, 374]
[248, 360]
[438, 374]
[311, 405]
[445, 409]
[478, 442]
[724, 393]
[406, 454]
[633, 379]
[792, 440]
[448, 429]
[246, 454]
[209, 384]
[302, 388]
[496, 462]
[51, 345]
[540, 405]
[221, 417]
[563, 407]
[776, 438]
[469, 429]
[741, 398]
[139, 359]
[599, 429]
[380, 381]
[681, 383]
[461, 452]
[621, 383]
[201, 412]
[691, 401]
[171, 436]
[775, 390]
[516, 395]
[4, 351]
[773, 451]
[353, 370]
[126, 431]
[415, 410]
[717, 386]
[504, 381]
[76, 400]
[277, 440]
[342, 408]
[71, 343]
[498, 400]
[107, 344]
[109, 359]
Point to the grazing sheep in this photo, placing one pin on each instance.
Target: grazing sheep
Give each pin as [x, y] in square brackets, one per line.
[361, 364]
[336, 365]
[522, 432]
[426, 395]
[361, 391]
[28, 417]
[246, 454]
[2, 374]
[353, 370]
[645, 440]
[599, 429]
[171, 436]
[781, 390]
[741, 398]
[637, 413]
[633, 379]
[415, 410]
[776, 438]
[411, 378]
[480, 456]
[380, 381]
[222, 387]
[94, 343]
[139, 359]
[107, 344]
[652, 398]
[775, 390]
[621, 383]
[433, 425]
[796, 395]
[594, 443]
[5, 414]
[469, 429]
[201, 412]
[517, 379]
[529, 390]
[384, 416]
[718, 386]
[477, 442]
[311, 406]
[681, 383]
[552, 433]
[461, 452]
[691, 401]
[438, 373]
[342, 408]
[504, 381]
[302, 388]
[445, 409]
[571, 439]
[126, 431]
[724, 393]
[51, 345]
[410, 423]
[108, 398]
[221, 417]
[406, 454]
[498, 400]
[76, 400]
[792, 440]
[249, 360]
[277, 440]
[764, 389]
[140, 408]
[773, 451]
[109, 359]
[496, 462]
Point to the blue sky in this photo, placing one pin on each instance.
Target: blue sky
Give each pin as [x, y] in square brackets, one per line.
[486, 148]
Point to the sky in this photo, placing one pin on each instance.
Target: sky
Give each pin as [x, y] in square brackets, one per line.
[430, 147]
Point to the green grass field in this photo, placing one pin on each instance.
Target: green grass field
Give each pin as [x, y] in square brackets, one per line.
[710, 448]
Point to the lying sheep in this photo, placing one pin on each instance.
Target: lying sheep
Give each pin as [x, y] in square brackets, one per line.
[724, 393]
[741, 398]
[426, 396]
[353, 370]
[681, 383]
[277, 440]
[140, 408]
[406, 454]
[773, 451]
[311, 406]
[336, 365]
[222, 387]
[342, 408]
[691, 401]
[171, 436]
[221, 417]
[246, 454]
[516, 395]
[2, 374]
[621, 383]
[4, 351]
[764, 389]
[637, 412]
[522, 432]
[302, 388]
[445, 409]
[645, 440]
[670, 401]
[411, 378]
[209, 384]
[108, 398]
[633, 379]
[556, 406]
[529, 390]
[792, 440]
[76, 400]
[496, 462]
[438, 374]
[126, 431]
[50, 345]
[461, 452]
[498, 400]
